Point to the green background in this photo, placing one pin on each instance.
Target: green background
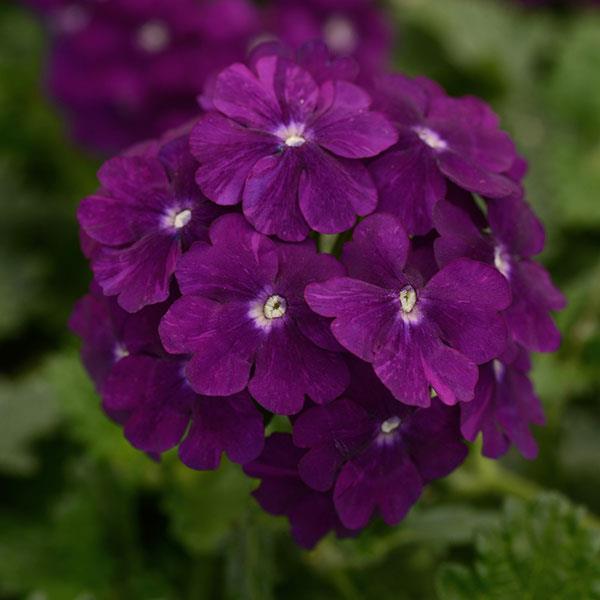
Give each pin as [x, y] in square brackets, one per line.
[84, 516]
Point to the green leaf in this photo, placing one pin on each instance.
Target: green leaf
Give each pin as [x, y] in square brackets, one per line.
[28, 410]
[541, 550]
[204, 507]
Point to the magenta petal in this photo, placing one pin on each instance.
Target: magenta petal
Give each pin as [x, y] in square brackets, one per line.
[113, 221]
[470, 176]
[409, 184]
[378, 251]
[241, 96]
[125, 387]
[434, 440]
[231, 425]
[382, 478]
[227, 152]
[334, 191]
[133, 178]
[451, 374]
[399, 366]
[514, 223]
[207, 270]
[159, 422]
[288, 367]
[364, 313]
[220, 365]
[140, 274]
[271, 197]
[464, 299]
[528, 316]
[347, 128]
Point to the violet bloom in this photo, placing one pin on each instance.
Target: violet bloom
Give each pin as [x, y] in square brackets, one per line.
[376, 453]
[145, 390]
[244, 320]
[146, 213]
[282, 492]
[440, 138]
[516, 236]
[127, 70]
[288, 148]
[349, 27]
[505, 404]
[416, 335]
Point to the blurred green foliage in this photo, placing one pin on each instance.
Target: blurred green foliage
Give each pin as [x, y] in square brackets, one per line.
[84, 516]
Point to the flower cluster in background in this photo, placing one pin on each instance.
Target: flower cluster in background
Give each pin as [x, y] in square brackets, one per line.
[215, 313]
[126, 70]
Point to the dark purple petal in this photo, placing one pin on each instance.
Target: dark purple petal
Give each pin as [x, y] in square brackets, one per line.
[364, 313]
[434, 440]
[231, 425]
[382, 479]
[347, 128]
[334, 191]
[464, 299]
[288, 367]
[472, 177]
[207, 270]
[249, 100]
[271, 197]
[409, 184]
[227, 152]
[139, 274]
[378, 251]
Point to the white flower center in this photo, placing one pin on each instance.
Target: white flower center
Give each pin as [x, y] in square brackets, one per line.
[431, 138]
[340, 35]
[181, 219]
[275, 307]
[499, 369]
[408, 299]
[501, 261]
[153, 36]
[390, 425]
[120, 351]
[292, 135]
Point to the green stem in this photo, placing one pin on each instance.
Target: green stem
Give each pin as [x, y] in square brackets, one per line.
[490, 477]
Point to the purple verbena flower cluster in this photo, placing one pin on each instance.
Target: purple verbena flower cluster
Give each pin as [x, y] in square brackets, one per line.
[212, 308]
[125, 70]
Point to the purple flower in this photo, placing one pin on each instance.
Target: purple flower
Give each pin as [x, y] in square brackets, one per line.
[416, 335]
[282, 492]
[441, 138]
[504, 406]
[288, 148]
[147, 212]
[244, 320]
[375, 452]
[127, 70]
[145, 390]
[349, 27]
[516, 235]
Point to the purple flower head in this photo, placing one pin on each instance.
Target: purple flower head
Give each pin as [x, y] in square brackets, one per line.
[147, 212]
[145, 389]
[417, 336]
[504, 406]
[127, 70]
[516, 236]
[244, 320]
[349, 27]
[441, 139]
[375, 452]
[288, 148]
[108, 333]
[282, 492]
